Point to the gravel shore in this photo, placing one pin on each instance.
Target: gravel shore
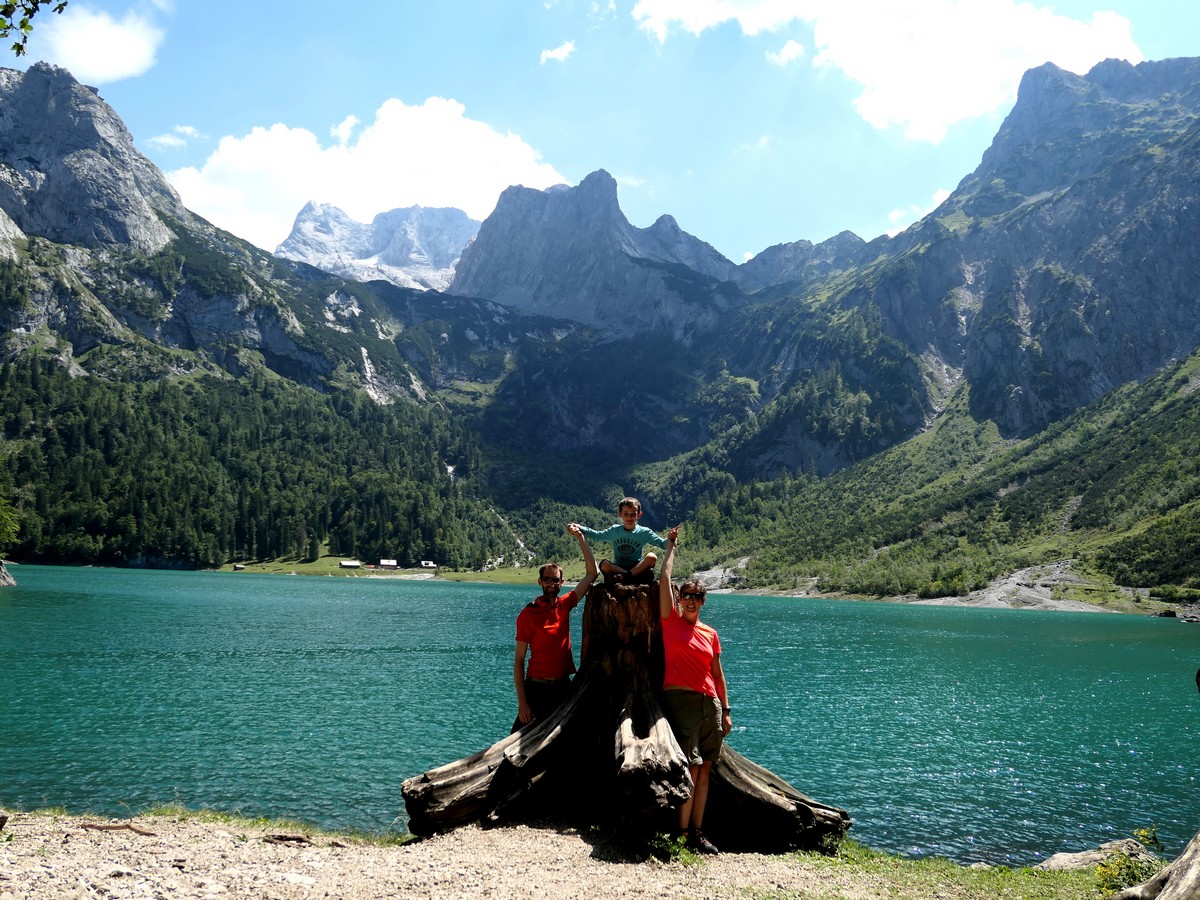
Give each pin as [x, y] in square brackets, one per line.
[50, 856]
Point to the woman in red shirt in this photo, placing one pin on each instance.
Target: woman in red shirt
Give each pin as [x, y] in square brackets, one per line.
[695, 696]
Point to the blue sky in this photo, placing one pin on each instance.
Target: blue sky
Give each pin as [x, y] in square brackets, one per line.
[752, 122]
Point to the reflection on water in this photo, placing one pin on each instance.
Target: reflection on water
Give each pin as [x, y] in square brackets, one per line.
[974, 734]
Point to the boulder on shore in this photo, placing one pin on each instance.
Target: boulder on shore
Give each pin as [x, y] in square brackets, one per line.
[1086, 859]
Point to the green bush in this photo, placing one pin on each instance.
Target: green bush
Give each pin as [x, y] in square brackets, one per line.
[1119, 871]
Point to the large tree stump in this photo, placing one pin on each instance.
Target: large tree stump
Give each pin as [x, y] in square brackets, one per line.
[1178, 881]
[608, 755]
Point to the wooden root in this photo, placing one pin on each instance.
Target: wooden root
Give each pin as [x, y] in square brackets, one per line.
[608, 754]
[1178, 881]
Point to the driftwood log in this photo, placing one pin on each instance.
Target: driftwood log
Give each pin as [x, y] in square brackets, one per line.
[1178, 881]
[607, 756]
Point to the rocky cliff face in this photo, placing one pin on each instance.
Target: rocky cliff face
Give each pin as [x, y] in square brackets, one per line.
[104, 267]
[69, 171]
[1079, 237]
[413, 247]
[571, 253]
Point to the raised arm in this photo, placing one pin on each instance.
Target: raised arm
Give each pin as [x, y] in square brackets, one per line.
[589, 561]
[666, 597]
[604, 534]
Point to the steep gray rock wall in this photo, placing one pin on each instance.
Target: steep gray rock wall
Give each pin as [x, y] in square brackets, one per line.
[571, 253]
[68, 169]
[1089, 265]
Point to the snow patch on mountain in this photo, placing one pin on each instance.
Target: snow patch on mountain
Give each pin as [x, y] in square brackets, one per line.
[415, 247]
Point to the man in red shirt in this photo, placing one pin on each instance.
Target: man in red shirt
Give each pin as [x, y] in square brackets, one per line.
[544, 635]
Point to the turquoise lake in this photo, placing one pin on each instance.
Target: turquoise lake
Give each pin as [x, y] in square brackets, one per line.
[995, 735]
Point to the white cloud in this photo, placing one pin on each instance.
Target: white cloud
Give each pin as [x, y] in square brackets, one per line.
[169, 141]
[176, 139]
[902, 218]
[922, 66]
[559, 53]
[789, 52]
[97, 48]
[344, 129]
[427, 155]
[762, 143]
[697, 16]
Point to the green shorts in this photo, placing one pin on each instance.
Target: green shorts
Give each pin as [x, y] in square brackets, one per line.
[696, 720]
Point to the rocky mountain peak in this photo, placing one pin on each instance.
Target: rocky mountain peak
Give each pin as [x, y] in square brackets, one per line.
[801, 263]
[415, 247]
[570, 252]
[68, 169]
[1065, 127]
[599, 187]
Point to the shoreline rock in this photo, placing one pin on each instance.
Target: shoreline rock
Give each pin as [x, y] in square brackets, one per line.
[1063, 862]
[1029, 588]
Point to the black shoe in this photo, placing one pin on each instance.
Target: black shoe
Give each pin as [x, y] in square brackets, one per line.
[700, 844]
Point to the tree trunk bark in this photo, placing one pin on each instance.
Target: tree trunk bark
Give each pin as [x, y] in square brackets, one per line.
[608, 755]
[1178, 881]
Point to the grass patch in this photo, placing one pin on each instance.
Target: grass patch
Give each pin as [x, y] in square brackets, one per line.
[508, 575]
[1099, 590]
[240, 823]
[181, 813]
[901, 879]
[573, 570]
[470, 394]
[325, 565]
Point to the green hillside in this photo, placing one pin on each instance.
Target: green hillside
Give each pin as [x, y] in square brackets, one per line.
[1114, 486]
[203, 470]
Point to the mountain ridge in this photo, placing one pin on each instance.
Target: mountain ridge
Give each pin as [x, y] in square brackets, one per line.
[1061, 269]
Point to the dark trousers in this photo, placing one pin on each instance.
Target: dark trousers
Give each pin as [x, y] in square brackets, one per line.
[544, 697]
